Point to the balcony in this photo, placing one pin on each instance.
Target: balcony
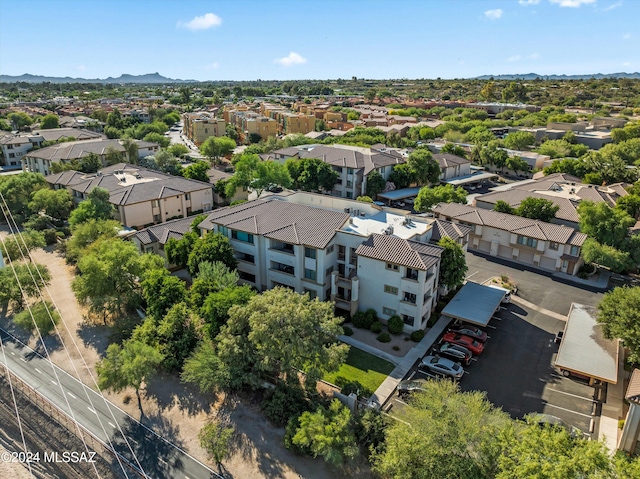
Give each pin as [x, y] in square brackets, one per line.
[283, 268]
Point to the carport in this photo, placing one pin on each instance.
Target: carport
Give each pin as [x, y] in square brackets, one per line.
[584, 351]
[474, 304]
[398, 195]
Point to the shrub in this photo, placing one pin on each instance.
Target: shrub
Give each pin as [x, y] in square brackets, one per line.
[384, 337]
[283, 403]
[417, 335]
[396, 348]
[347, 331]
[50, 236]
[376, 327]
[355, 387]
[289, 432]
[359, 319]
[395, 324]
[370, 317]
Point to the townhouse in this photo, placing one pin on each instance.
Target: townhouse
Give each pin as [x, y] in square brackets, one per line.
[547, 246]
[153, 238]
[352, 253]
[140, 196]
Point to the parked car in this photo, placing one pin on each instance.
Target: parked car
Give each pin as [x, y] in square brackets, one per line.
[507, 293]
[454, 352]
[547, 420]
[410, 386]
[471, 331]
[442, 367]
[476, 347]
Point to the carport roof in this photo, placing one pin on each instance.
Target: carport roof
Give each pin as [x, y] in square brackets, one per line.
[474, 304]
[584, 349]
[399, 194]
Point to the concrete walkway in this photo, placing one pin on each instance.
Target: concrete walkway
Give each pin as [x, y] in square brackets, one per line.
[370, 349]
[535, 307]
[601, 283]
[388, 386]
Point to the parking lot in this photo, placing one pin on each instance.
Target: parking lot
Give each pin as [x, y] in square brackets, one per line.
[516, 371]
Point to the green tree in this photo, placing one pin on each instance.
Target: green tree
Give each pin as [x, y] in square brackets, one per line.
[197, 171]
[479, 135]
[177, 335]
[312, 174]
[328, 433]
[96, 207]
[630, 204]
[127, 365]
[452, 435]
[42, 316]
[402, 176]
[178, 251]
[425, 169]
[213, 247]
[519, 140]
[488, 92]
[16, 190]
[216, 306]
[161, 291]
[370, 95]
[49, 122]
[454, 149]
[604, 255]
[19, 120]
[110, 275]
[537, 209]
[427, 197]
[516, 164]
[205, 369]
[375, 184]
[550, 452]
[215, 438]
[90, 163]
[159, 138]
[453, 265]
[252, 172]
[16, 246]
[29, 278]
[606, 225]
[178, 150]
[502, 206]
[214, 148]
[619, 314]
[87, 234]
[211, 277]
[131, 150]
[55, 203]
[515, 92]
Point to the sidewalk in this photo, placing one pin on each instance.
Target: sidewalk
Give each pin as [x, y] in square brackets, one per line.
[535, 307]
[601, 283]
[388, 386]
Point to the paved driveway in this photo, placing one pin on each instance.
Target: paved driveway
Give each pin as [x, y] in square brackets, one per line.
[545, 291]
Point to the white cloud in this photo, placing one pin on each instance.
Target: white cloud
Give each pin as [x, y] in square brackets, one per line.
[292, 58]
[493, 14]
[207, 20]
[81, 68]
[572, 3]
[514, 58]
[612, 6]
[626, 64]
[528, 2]
[626, 36]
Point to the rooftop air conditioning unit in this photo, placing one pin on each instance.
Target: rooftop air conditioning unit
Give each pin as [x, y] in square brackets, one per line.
[347, 210]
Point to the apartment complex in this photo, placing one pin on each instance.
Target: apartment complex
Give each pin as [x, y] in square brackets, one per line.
[252, 123]
[352, 253]
[201, 125]
[534, 243]
[140, 196]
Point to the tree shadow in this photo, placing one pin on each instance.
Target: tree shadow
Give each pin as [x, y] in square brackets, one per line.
[167, 391]
[94, 336]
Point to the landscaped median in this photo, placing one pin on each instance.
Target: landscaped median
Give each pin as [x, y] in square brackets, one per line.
[365, 371]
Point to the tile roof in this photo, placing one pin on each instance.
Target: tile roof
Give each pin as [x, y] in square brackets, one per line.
[281, 220]
[447, 229]
[392, 249]
[568, 209]
[73, 150]
[633, 389]
[164, 231]
[447, 160]
[54, 134]
[514, 224]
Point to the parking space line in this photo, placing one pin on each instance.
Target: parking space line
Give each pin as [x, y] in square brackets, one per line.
[573, 395]
[565, 409]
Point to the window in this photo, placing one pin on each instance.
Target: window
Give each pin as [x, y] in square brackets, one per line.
[526, 241]
[329, 271]
[390, 289]
[156, 218]
[310, 274]
[408, 319]
[187, 196]
[392, 267]
[149, 249]
[311, 292]
[155, 204]
[388, 311]
[554, 246]
[349, 183]
[575, 251]
[223, 230]
[349, 194]
[247, 276]
[409, 297]
[309, 253]
[242, 236]
[330, 249]
[411, 274]
[341, 252]
[249, 258]
[283, 268]
[349, 171]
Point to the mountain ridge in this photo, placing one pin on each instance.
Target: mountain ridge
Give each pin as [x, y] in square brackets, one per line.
[124, 78]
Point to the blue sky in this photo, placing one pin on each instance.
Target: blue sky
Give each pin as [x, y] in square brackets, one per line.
[318, 39]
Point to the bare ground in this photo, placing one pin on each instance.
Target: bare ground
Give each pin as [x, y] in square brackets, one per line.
[173, 409]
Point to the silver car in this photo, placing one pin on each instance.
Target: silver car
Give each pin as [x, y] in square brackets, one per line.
[442, 366]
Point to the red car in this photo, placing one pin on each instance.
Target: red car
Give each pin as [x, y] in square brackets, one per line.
[476, 347]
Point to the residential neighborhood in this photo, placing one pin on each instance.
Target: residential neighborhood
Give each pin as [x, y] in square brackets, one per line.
[315, 258]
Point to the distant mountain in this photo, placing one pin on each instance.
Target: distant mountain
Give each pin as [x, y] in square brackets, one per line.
[533, 76]
[125, 78]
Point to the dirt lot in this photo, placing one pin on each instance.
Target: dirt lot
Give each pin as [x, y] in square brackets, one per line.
[173, 409]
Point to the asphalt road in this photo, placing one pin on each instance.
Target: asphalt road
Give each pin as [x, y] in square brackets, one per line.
[157, 457]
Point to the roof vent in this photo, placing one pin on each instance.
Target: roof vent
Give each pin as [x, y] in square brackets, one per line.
[347, 210]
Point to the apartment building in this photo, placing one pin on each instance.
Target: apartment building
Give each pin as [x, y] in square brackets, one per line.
[251, 123]
[352, 253]
[201, 125]
[153, 238]
[141, 197]
[534, 243]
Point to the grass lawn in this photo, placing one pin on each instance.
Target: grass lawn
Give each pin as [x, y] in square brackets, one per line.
[361, 367]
